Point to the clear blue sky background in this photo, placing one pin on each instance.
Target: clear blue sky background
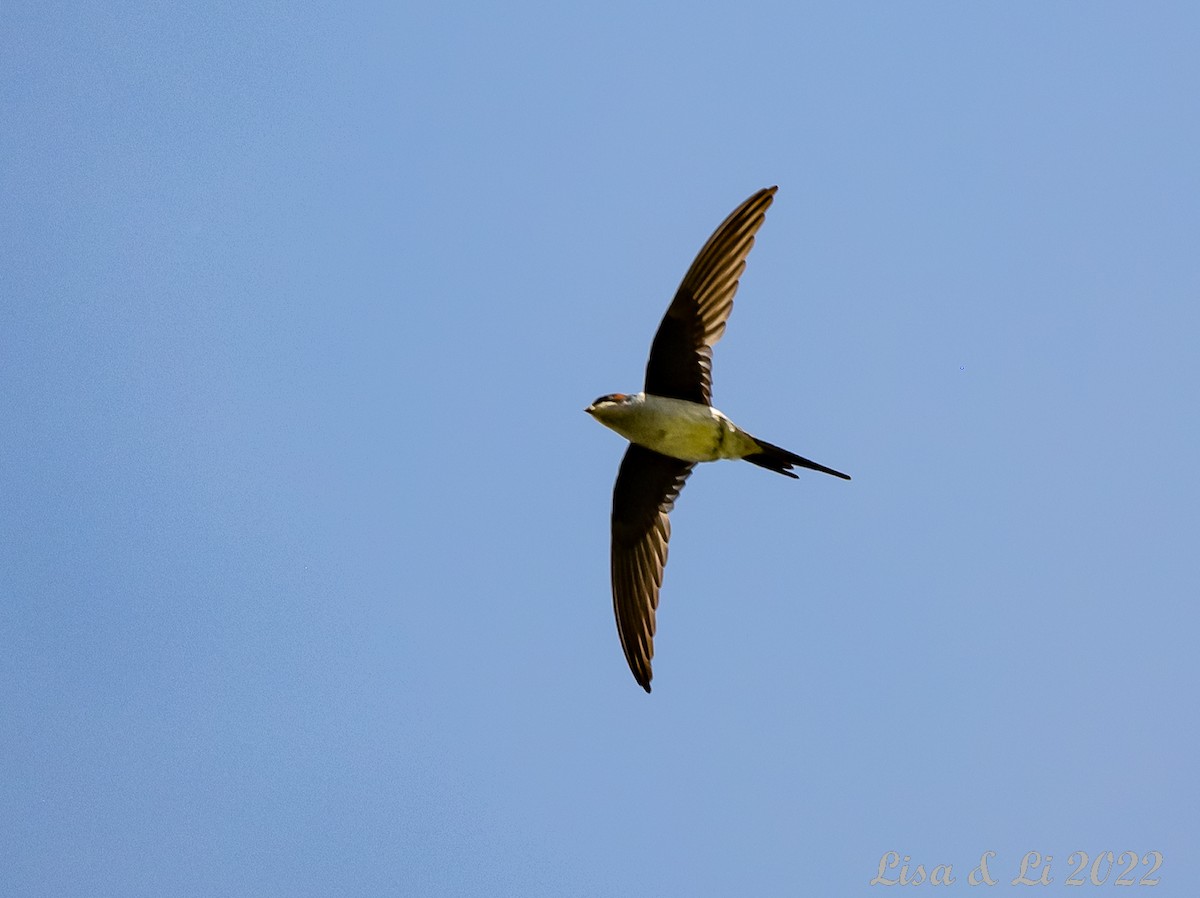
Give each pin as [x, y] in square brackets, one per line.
[304, 544]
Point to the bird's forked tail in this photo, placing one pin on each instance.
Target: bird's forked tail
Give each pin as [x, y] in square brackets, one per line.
[773, 458]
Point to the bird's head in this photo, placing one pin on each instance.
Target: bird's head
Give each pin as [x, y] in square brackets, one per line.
[607, 405]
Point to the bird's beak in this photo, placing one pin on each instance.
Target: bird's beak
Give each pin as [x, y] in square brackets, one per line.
[590, 409]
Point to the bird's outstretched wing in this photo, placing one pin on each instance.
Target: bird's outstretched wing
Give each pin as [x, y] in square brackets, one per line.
[647, 486]
[680, 363]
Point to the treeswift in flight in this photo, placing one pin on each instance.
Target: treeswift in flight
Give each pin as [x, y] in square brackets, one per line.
[672, 425]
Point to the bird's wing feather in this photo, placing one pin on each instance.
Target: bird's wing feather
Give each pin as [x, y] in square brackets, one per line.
[647, 486]
[680, 364]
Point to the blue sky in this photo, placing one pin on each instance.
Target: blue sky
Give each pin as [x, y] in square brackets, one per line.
[304, 562]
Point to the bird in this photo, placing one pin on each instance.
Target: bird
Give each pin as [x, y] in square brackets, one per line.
[672, 426]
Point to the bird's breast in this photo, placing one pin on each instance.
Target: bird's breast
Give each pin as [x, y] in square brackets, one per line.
[685, 430]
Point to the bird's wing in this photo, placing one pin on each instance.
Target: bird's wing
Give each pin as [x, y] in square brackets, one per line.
[647, 486]
[680, 363]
